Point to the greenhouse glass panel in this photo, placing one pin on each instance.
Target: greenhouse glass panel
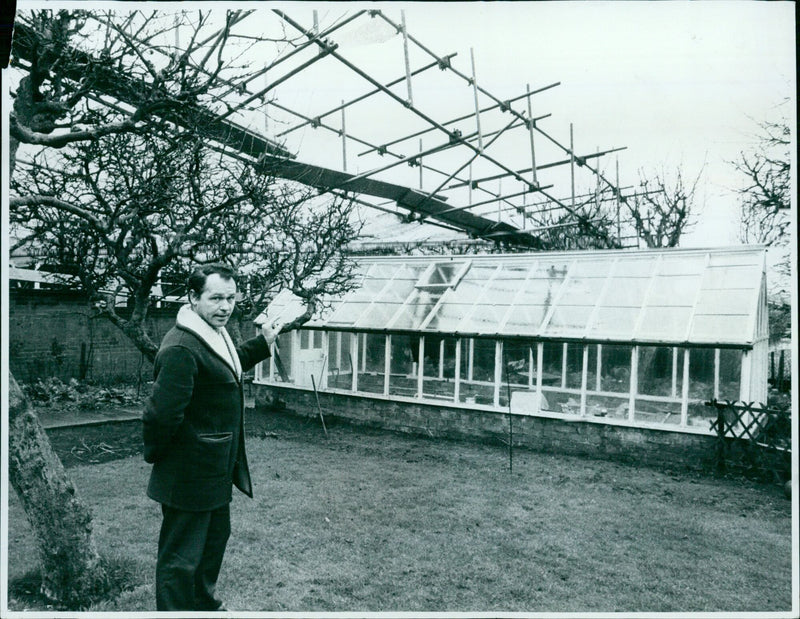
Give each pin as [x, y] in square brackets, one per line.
[591, 268]
[730, 374]
[591, 367]
[700, 415]
[637, 267]
[449, 316]
[682, 263]
[735, 258]
[404, 364]
[382, 271]
[539, 291]
[483, 360]
[440, 275]
[731, 301]
[283, 358]
[718, 329]
[731, 277]
[438, 380]
[414, 313]
[474, 279]
[626, 292]
[581, 291]
[674, 291]
[569, 320]
[552, 363]
[525, 319]
[484, 319]
[372, 355]
[613, 322]
[515, 272]
[501, 292]
[665, 323]
[347, 314]
[519, 363]
[340, 360]
[468, 291]
[701, 373]
[660, 371]
[606, 405]
[560, 401]
[555, 270]
[396, 292]
[574, 366]
[378, 315]
[477, 371]
[368, 290]
[615, 374]
[658, 412]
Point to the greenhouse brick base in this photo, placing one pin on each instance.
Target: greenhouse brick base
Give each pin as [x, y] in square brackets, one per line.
[659, 448]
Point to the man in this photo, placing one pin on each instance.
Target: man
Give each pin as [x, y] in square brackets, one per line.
[194, 437]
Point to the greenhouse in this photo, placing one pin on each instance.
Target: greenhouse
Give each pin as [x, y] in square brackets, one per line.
[627, 337]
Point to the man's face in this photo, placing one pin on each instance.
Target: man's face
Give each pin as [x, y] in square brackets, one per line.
[216, 302]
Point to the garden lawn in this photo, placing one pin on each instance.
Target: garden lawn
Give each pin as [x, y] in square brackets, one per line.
[373, 521]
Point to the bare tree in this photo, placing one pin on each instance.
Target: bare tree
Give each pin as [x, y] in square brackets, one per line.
[131, 59]
[765, 211]
[71, 567]
[587, 225]
[765, 196]
[661, 210]
[134, 208]
[127, 87]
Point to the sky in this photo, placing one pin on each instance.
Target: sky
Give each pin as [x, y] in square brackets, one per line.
[680, 85]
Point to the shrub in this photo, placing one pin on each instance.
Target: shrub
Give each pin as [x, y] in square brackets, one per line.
[77, 394]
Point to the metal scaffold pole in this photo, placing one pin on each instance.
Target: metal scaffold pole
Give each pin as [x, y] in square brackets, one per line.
[531, 124]
[475, 94]
[405, 53]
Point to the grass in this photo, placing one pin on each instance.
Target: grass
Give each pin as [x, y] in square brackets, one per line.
[369, 521]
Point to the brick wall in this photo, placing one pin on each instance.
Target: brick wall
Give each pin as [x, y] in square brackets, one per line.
[52, 333]
[661, 449]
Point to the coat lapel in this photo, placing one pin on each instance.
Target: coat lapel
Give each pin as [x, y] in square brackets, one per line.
[219, 342]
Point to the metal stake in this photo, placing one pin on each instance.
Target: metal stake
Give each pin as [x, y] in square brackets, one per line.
[319, 408]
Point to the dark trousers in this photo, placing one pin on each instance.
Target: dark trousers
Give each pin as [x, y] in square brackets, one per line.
[190, 550]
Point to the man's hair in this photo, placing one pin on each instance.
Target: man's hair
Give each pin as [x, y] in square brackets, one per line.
[197, 280]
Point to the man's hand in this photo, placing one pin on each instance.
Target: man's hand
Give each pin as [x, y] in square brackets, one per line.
[270, 331]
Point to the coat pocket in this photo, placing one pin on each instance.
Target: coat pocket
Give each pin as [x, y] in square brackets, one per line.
[214, 453]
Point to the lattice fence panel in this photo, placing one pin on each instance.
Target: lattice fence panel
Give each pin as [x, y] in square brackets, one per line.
[753, 440]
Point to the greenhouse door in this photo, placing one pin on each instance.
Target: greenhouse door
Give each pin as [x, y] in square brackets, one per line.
[310, 359]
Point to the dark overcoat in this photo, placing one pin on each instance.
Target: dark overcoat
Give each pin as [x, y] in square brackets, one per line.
[193, 424]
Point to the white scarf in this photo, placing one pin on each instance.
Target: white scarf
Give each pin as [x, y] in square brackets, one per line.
[217, 340]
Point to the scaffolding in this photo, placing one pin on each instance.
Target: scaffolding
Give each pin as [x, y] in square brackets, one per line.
[485, 170]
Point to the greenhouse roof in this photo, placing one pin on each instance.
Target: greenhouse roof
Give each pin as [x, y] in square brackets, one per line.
[698, 296]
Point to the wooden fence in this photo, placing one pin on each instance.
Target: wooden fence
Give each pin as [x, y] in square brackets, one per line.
[753, 440]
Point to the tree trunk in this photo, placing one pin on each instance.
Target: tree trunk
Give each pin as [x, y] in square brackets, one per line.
[72, 574]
